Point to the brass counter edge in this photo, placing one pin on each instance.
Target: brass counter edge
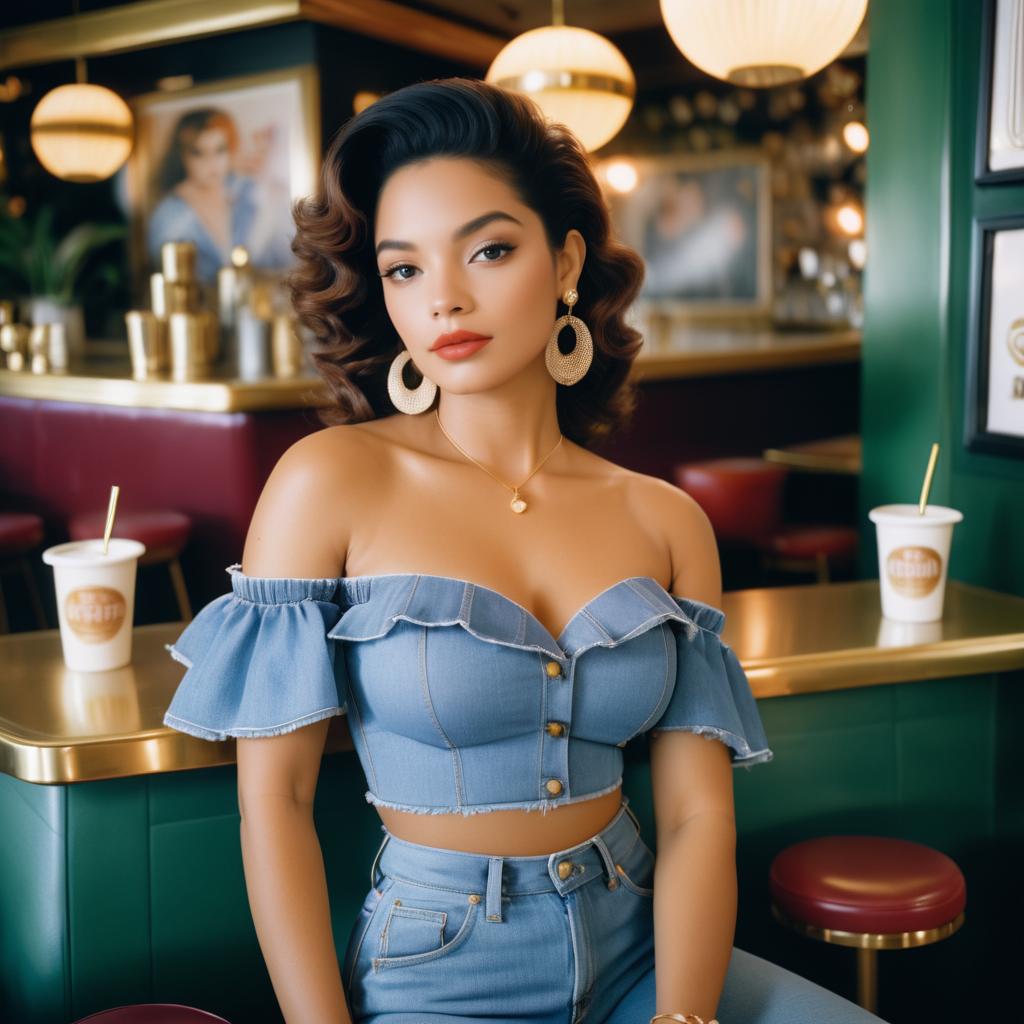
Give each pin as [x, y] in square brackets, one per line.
[165, 750]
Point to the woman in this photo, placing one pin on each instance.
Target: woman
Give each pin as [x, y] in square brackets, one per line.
[492, 605]
[206, 202]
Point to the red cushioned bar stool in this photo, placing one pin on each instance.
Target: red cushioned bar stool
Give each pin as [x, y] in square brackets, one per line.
[810, 547]
[869, 892]
[164, 532]
[153, 1013]
[741, 496]
[20, 533]
[743, 499]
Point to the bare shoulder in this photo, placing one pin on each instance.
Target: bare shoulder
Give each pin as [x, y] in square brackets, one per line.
[671, 514]
[300, 525]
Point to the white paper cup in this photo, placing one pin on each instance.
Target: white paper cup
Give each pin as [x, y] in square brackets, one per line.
[95, 600]
[913, 556]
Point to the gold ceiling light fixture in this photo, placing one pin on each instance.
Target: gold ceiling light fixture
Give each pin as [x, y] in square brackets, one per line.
[762, 43]
[575, 76]
[82, 132]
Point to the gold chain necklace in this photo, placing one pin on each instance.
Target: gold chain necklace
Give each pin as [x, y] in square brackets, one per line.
[517, 504]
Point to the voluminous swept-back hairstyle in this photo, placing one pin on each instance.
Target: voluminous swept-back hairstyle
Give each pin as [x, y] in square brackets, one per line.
[338, 294]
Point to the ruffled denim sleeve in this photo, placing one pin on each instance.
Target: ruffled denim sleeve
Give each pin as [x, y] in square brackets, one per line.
[712, 694]
[259, 660]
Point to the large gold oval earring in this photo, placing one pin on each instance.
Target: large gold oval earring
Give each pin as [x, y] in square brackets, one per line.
[406, 399]
[572, 366]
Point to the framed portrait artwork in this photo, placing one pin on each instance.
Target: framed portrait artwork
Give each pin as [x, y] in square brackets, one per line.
[1000, 147]
[995, 361]
[702, 224]
[219, 165]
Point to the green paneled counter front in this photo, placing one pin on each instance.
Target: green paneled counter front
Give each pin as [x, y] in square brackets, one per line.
[121, 876]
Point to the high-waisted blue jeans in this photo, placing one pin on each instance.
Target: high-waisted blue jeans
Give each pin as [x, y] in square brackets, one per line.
[447, 936]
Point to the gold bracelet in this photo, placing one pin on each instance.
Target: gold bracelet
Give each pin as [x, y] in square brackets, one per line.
[685, 1018]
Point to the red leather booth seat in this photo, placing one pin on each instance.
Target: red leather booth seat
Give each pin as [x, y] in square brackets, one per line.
[60, 459]
[867, 884]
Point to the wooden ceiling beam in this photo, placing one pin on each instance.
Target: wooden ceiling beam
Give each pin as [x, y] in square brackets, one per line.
[159, 22]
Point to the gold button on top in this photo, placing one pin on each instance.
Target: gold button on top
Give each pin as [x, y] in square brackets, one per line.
[474, 897]
[555, 729]
[553, 786]
[553, 669]
[565, 869]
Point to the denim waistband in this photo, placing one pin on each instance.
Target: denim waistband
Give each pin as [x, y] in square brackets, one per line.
[497, 876]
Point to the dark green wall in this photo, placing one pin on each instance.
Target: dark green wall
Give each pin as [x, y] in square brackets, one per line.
[922, 98]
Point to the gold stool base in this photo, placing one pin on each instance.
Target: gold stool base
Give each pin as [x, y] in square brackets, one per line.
[867, 945]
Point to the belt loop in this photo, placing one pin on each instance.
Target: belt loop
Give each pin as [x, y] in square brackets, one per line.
[606, 856]
[629, 811]
[376, 860]
[494, 873]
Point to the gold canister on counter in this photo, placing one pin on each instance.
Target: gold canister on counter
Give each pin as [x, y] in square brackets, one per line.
[182, 297]
[147, 343]
[15, 360]
[193, 336]
[178, 262]
[57, 346]
[40, 364]
[6, 311]
[285, 347]
[39, 339]
[158, 294]
[14, 338]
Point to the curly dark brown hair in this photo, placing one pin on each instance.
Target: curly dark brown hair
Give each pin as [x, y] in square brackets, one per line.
[338, 294]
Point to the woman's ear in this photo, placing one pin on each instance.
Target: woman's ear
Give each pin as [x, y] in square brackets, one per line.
[569, 261]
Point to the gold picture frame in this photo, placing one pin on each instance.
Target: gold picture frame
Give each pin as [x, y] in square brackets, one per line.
[702, 223]
[269, 123]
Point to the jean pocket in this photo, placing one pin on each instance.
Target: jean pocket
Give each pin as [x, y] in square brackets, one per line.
[422, 925]
[636, 869]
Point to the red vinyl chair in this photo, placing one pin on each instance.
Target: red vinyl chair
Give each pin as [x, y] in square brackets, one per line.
[743, 498]
[164, 532]
[153, 1013]
[20, 533]
[869, 892]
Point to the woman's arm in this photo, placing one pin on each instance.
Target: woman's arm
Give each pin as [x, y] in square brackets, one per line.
[284, 874]
[291, 536]
[695, 892]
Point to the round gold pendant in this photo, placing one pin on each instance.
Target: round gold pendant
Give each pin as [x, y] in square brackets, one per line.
[518, 505]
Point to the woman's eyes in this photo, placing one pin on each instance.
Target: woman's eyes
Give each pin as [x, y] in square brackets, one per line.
[502, 248]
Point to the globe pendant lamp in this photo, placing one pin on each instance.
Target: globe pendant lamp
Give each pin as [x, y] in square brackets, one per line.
[762, 42]
[81, 132]
[575, 76]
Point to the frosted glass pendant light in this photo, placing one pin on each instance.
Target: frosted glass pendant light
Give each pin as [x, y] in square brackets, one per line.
[762, 42]
[81, 132]
[574, 75]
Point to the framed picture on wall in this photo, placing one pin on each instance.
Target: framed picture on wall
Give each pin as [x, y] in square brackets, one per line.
[702, 224]
[1000, 148]
[994, 419]
[219, 165]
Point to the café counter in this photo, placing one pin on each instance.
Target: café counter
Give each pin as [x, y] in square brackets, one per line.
[120, 869]
[204, 448]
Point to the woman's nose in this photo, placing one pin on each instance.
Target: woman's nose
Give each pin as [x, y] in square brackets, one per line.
[450, 296]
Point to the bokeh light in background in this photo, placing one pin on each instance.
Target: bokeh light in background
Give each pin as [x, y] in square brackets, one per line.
[855, 135]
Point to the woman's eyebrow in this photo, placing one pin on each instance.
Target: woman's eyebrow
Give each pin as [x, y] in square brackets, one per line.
[466, 229]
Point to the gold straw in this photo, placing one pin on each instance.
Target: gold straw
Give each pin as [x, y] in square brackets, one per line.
[932, 459]
[111, 509]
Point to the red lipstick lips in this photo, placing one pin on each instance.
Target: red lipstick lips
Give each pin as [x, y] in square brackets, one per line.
[459, 344]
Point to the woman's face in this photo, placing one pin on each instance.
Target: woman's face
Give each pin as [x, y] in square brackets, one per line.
[208, 159]
[458, 250]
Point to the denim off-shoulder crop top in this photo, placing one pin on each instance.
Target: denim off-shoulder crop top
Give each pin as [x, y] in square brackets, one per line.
[458, 699]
